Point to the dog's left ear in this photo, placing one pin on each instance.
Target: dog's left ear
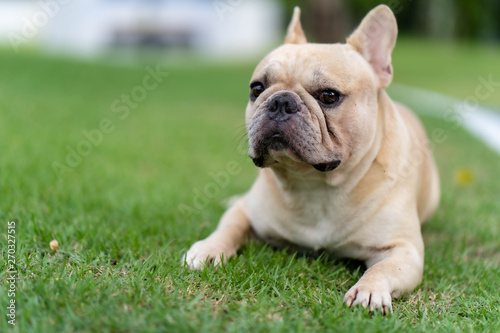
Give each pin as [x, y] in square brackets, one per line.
[375, 39]
[295, 34]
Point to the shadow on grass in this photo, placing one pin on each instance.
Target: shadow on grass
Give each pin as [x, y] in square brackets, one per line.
[294, 252]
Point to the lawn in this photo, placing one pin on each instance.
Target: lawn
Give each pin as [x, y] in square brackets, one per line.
[456, 69]
[116, 212]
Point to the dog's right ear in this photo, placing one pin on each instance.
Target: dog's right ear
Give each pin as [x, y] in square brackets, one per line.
[374, 39]
[295, 34]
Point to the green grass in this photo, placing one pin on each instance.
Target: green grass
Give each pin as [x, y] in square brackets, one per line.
[451, 68]
[121, 234]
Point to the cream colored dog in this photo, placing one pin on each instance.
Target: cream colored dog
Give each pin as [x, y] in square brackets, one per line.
[344, 168]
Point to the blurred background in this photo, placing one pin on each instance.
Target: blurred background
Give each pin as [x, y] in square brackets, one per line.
[223, 28]
[435, 37]
[92, 28]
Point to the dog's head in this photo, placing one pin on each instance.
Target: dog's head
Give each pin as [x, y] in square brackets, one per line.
[314, 106]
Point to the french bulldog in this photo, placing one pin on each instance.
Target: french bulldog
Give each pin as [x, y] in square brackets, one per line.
[343, 168]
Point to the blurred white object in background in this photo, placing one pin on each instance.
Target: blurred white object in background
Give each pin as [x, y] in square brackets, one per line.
[12, 17]
[88, 28]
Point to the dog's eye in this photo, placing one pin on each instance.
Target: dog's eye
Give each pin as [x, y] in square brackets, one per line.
[256, 89]
[329, 97]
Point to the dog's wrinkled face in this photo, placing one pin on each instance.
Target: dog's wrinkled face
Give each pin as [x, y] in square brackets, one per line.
[315, 106]
[311, 105]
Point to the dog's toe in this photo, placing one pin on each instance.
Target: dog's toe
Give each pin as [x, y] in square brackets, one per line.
[204, 253]
[372, 298]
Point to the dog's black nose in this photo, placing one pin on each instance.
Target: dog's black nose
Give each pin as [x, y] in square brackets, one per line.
[281, 107]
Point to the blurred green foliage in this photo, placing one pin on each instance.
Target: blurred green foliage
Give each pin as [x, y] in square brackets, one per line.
[463, 19]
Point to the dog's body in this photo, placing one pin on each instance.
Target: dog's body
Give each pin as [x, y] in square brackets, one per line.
[345, 168]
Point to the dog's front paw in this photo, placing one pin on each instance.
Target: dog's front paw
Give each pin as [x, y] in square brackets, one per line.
[206, 252]
[369, 296]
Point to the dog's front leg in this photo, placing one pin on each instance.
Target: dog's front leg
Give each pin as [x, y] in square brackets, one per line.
[398, 268]
[223, 243]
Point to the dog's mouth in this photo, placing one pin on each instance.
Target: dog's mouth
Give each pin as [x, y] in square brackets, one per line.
[273, 143]
[260, 162]
[326, 167]
[277, 143]
[289, 143]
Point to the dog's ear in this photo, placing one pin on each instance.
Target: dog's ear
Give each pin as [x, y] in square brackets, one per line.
[295, 34]
[375, 39]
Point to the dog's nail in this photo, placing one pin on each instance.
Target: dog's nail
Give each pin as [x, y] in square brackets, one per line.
[386, 310]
